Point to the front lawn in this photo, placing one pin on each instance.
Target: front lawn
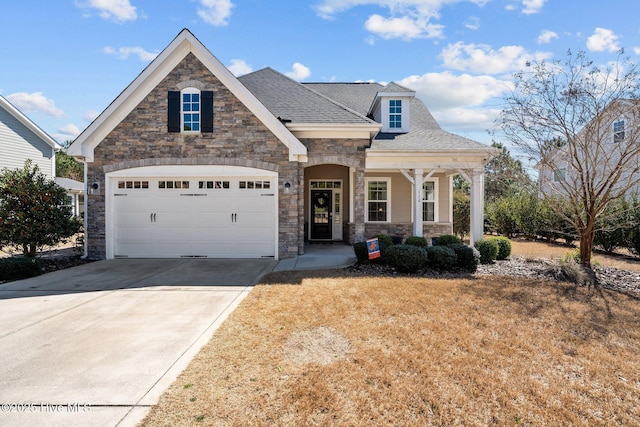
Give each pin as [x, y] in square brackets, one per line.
[323, 348]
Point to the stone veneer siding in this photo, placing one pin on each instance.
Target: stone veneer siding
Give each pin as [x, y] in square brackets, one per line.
[406, 229]
[239, 138]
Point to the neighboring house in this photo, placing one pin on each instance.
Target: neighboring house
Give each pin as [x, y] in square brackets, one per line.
[21, 140]
[190, 161]
[607, 144]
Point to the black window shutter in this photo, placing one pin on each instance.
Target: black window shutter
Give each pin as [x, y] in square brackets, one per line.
[173, 111]
[206, 120]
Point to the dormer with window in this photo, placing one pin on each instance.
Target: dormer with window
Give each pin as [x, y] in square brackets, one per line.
[391, 108]
[190, 111]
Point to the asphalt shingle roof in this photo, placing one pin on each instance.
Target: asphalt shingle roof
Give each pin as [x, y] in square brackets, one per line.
[346, 103]
[290, 100]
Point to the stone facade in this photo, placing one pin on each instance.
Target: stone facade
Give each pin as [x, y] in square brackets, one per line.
[239, 138]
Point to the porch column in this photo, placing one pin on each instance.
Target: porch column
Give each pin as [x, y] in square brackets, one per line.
[418, 180]
[477, 205]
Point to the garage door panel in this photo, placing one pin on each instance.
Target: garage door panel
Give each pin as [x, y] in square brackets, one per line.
[219, 220]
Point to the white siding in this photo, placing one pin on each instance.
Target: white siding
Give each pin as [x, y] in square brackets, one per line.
[18, 143]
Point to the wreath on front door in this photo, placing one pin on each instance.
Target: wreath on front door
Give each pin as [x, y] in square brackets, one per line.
[320, 201]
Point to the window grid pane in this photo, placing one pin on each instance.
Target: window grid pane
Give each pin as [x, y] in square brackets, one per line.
[377, 203]
[190, 112]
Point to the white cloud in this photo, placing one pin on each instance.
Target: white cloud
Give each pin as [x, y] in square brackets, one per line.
[67, 132]
[298, 72]
[112, 10]
[408, 19]
[34, 102]
[125, 52]
[90, 115]
[532, 6]
[482, 58]
[603, 39]
[546, 36]
[215, 12]
[636, 50]
[458, 102]
[473, 23]
[404, 27]
[446, 90]
[239, 67]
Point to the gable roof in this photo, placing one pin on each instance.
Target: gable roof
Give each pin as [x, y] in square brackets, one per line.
[184, 43]
[17, 114]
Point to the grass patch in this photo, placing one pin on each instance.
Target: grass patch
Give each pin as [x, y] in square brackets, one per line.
[318, 348]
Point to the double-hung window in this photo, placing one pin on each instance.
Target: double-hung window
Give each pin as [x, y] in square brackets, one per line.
[618, 131]
[395, 113]
[559, 175]
[378, 199]
[190, 110]
[429, 201]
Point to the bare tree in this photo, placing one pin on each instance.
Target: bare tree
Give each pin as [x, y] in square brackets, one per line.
[581, 124]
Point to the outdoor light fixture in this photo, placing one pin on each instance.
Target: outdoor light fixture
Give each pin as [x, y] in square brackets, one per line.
[287, 187]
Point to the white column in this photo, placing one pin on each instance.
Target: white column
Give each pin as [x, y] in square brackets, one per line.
[477, 205]
[418, 179]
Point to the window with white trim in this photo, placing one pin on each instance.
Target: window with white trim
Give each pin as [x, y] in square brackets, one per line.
[378, 200]
[429, 201]
[618, 131]
[395, 113]
[190, 110]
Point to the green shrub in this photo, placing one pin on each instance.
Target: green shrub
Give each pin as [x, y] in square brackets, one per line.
[488, 250]
[384, 240]
[467, 257]
[360, 249]
[406, 258]
[504, 246]
[18, 268]
[418, 241]
[448, 239]
[441, 257]
[396, 240]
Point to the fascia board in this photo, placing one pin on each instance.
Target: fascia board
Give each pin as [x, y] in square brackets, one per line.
[151, 76]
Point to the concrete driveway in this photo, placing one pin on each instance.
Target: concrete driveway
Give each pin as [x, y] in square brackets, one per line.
[96, 345]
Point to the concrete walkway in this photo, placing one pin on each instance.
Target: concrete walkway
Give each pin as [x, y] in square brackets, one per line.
[96, 345]
[319, 256]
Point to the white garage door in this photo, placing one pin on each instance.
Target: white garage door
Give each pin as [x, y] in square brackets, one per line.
[173, 217]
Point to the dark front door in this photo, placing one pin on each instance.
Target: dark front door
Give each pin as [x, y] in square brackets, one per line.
[321, 214]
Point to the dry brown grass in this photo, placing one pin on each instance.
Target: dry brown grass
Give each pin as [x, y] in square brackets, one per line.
[490, 351]
[533, 249]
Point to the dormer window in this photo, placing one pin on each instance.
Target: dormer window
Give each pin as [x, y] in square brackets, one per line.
[395, 114]
[190, 111]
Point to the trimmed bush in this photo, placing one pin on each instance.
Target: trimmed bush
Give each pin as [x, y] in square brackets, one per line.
[384, 240]
[504, 246]
[360, 249]
[418, 241]
[18, 268]
[441, 257]
[396, 240]
[406, 258]
[488, 250]
[448, 239]
[467, 257]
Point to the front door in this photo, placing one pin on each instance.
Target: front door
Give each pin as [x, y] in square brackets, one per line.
[321, 215]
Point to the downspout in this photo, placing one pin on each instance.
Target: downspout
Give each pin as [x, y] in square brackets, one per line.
[86, 210]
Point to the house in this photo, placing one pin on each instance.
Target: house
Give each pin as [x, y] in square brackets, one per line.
[190, 161]
[22, 140]
[603, 156]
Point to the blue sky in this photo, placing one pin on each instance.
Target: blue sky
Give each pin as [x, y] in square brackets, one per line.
[63, 62]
